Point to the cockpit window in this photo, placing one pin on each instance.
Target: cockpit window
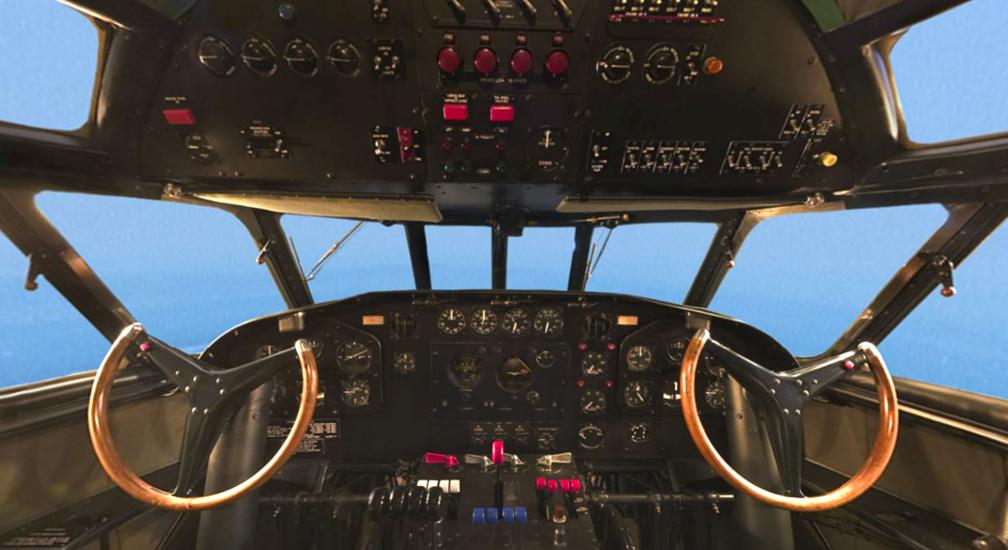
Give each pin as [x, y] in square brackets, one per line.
[650, 260]
[804, 278]
[40, 320]
[540, 258]
[49, 61]
[364, 256]
[960, 342]
[949, 76]
[459, 256]
[188, 274]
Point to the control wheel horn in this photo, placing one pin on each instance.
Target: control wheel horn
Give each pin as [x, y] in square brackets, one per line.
[213, 396]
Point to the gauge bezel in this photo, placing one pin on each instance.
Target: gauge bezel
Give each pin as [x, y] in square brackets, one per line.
[463, 323]
[556, 329]
[343, 364]
[475, 321]
[633, 365]
[525, 325]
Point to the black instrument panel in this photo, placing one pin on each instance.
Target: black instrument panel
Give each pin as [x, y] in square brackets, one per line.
[403, 373]
[575, 96]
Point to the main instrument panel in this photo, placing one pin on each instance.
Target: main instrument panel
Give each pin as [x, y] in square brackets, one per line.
[576, 97]
[406, 372]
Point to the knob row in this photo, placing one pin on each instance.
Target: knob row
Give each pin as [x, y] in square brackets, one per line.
[485, 61]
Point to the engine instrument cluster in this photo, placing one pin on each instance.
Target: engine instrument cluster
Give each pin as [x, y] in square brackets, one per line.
[543, 372]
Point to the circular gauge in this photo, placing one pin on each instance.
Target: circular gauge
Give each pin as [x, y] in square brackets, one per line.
[547, 148]
[259, 56]
[593, 402]
[301, 57]
[637, 394]
[640, 432]
[514, 375]
[714, 394]
[639, 358]
[615, 65]
[590, 436]
[216, 55]
[516, 321]
[451, 321]
[405, 362]
[344, 57]
[548, 321]
[675, 350]
[465, 371]
[483, 321]
[354, 357]
[356, 393]
[670, 396]
[545, 358]
[593, 363]
[265, 351]
[660, 65]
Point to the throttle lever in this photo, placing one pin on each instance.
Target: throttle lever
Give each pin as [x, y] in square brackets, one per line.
[450, 461]
[546, 462]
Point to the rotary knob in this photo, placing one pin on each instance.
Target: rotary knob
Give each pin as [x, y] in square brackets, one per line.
[660, 65]
[448, 60]
[557, 62]
[521, 62]
[615, 65]
[485, 61]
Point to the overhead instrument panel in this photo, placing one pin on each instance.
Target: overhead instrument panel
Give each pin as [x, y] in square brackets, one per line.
[550, 98]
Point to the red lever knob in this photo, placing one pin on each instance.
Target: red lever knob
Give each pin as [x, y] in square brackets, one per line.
[497, 452]
[485, 61]
[521, 61]
[448, 60]
[438, 458]
[557, 63]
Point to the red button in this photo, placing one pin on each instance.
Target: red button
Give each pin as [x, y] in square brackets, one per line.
[485, 61]
[502, 113]
[448, 60]
[521, 61]
[557, 62]
[179, 117]
[455, 112]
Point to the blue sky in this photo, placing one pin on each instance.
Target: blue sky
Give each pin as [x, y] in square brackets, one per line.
[788, 280]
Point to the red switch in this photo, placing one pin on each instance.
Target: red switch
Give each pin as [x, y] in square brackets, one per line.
[557, 63]
[448, 60]
[485, 61]
[502, 113]
[521, 62]
[179, 117]
[455, 112]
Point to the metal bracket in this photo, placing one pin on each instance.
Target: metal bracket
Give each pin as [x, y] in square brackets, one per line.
[34, 270]
[261, 257]
[945, 269]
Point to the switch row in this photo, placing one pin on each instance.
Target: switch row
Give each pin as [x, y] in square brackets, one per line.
[485, 61]
[572, 485]
[492, 516]
[459, 112]
[449, 486]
